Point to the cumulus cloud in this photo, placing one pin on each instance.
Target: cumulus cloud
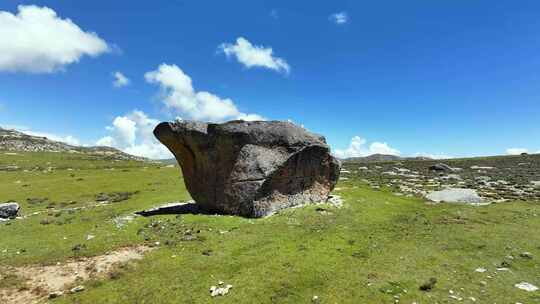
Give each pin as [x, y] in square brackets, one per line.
[133, 134]
[179, 95]
[434, 156]
[339, 18]
[516, 151]
[36, 40]
[254, 56]
[358, 148]
[120, 80]
[107, 141]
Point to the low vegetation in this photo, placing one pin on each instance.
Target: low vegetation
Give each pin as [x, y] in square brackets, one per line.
[376, 248]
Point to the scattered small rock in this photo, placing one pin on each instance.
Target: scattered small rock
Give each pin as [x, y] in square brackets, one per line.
[481, 270]
[36, 200]
[9, 210]
[441, 168]
[78, 247]
[220, 291]
[526, 286]
[121, 221]
[55, 294]
[335, 200]
[429, 285]
[482, 168]
[504, 264]
[77, 289]
[114, 197]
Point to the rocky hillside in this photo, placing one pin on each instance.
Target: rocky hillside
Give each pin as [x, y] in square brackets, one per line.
[495, 179]
[12, 140]
[381, 158]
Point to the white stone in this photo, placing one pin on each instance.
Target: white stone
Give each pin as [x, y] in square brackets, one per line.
[526, 286]
[480, 270]
[455, 195]
[220, 291]
[77, 289]
[481, 168]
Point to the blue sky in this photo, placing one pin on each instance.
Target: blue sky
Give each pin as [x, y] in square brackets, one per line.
[446, 78]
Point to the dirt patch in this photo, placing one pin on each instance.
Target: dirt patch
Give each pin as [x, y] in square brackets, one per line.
[41, 281]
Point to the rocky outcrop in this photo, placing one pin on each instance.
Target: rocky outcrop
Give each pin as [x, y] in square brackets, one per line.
[441, 168]
[251, 168]
[455, 195]
[9, 210]
[16, 141]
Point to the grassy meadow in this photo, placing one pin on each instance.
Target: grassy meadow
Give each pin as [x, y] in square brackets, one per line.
[377, 248]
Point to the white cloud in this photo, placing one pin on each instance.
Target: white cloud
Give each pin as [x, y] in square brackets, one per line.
[124, 131]
[339, 18]
[107, 141]
[358, 148]
[133, 134]
[180, 96]
[120, 80]
[254, 56]
[36, 40]
[382, 148]
[516, 151]
[434, 156]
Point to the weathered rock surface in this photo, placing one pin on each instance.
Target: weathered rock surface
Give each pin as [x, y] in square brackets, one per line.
[251, 168]
[441, 167]
[455, 195]
[9, 210]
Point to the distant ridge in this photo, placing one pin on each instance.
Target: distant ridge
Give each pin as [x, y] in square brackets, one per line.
[16, 141]
[382, 158]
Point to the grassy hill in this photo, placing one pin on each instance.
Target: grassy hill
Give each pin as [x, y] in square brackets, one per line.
[377, 248]
[16, 141]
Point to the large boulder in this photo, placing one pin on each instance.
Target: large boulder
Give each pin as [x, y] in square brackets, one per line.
[251, 168]
[9, 210]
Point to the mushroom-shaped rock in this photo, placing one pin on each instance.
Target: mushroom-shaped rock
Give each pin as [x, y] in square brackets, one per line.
[251, 168]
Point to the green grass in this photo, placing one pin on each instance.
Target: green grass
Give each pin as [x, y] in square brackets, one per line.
[375, 249]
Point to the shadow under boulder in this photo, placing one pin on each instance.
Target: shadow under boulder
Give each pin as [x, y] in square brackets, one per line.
[173, 208]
